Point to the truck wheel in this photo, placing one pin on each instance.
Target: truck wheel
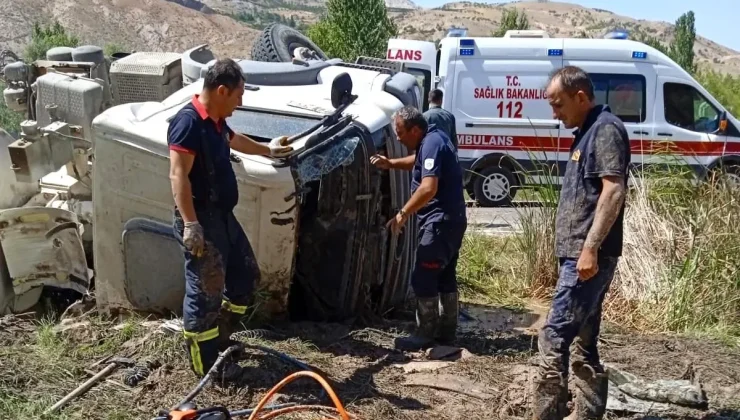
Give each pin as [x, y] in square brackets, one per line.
[495, 186]
[277, 43]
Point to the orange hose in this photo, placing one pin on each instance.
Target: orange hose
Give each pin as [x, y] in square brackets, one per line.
[291, 378]
[286, 410]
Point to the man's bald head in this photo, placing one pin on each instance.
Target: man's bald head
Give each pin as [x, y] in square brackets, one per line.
[570, 93]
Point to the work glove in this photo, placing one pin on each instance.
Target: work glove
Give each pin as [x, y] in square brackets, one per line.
[279, 147]
[193, 238]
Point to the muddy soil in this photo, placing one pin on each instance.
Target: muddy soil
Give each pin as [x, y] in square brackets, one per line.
[360, 365]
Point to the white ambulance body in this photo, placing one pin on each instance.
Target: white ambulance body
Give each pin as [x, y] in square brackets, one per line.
[506, 132]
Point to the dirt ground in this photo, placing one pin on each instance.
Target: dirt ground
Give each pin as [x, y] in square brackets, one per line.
[41, 361]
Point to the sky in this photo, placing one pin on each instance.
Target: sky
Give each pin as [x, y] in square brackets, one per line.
[714, 18]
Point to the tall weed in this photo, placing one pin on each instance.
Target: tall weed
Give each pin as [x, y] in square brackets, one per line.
[680, 269]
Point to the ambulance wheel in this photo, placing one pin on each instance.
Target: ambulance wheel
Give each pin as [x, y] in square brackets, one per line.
[729, 176]
[278, 42]
[495, 186]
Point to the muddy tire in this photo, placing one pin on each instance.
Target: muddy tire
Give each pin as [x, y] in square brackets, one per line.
[277, 43]
[496, 186]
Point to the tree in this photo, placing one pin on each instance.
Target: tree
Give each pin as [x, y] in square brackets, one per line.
[653, 42]
[512, 20]
[682, 47]
[352, 28]
[43, 38]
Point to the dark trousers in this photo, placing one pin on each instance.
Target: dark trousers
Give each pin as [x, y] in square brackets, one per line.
[221, 279]
[575, 314]
[436, 258]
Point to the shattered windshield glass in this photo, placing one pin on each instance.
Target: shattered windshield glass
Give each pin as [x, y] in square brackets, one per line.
[264, 126]
[317, 165]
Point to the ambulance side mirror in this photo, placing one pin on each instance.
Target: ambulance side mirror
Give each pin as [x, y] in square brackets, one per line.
[722, 122]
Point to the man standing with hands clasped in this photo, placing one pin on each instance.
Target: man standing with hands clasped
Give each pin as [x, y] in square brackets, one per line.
[437, 200]
[588, 231]
[220, 267]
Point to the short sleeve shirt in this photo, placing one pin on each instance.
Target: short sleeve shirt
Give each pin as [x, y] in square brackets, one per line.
[190, 131]
[436, 156]
[601, 148]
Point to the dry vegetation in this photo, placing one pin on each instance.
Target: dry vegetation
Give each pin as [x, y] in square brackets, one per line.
[680, 272]
[41, 361]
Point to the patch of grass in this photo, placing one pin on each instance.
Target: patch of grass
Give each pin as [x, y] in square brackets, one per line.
[682, 256]
[680, 270]
[487, 271]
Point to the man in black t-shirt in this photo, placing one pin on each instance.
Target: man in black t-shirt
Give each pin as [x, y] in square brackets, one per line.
[589, 226]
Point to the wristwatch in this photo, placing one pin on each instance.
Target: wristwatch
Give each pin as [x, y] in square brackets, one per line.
[402, 212]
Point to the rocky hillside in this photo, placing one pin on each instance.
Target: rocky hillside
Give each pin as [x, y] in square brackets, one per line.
[231, 25]
[158, 25]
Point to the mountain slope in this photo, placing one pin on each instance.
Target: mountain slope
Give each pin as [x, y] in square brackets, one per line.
[230, 26]
[134, 24]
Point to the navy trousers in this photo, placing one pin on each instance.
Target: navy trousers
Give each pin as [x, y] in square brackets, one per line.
[436, 258]
[222, 278]
[575, 315]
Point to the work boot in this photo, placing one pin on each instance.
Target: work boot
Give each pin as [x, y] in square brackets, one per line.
[227, 322]
[230, 373]
[549, 398]
[427, 318]
[592, 391]
[449, 312]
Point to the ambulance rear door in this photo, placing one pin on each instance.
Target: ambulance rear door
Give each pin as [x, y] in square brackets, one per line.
[420, 58]
[500, 104]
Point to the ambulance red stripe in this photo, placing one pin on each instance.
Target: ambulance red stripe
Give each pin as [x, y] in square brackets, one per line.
[546, 144]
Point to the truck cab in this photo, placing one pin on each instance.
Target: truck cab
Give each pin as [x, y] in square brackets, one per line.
[508, 138]
[86, 204]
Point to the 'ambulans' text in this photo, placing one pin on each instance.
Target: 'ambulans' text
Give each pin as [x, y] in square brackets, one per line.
[484, 141]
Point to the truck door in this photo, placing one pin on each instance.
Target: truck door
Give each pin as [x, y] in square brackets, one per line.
[629, 90]
[689, 123]
[507, 136]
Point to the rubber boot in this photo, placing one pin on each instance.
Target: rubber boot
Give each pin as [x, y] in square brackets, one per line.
[449, 312]
[549, 398]
[427, 318]
[227, 322]
[592, 391]
[228, 372]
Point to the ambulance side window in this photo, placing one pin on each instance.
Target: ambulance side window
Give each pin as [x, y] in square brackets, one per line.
[686, 108]
[624, 93]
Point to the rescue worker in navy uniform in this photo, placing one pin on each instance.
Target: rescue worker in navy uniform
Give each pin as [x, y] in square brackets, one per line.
[220, 266]
[440, 117]
[437, 201]
[589, 229]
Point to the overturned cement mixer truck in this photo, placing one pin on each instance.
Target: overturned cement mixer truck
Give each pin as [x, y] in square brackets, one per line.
[86, 204]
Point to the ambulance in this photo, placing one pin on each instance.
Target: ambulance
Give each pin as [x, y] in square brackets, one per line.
[508, 138]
